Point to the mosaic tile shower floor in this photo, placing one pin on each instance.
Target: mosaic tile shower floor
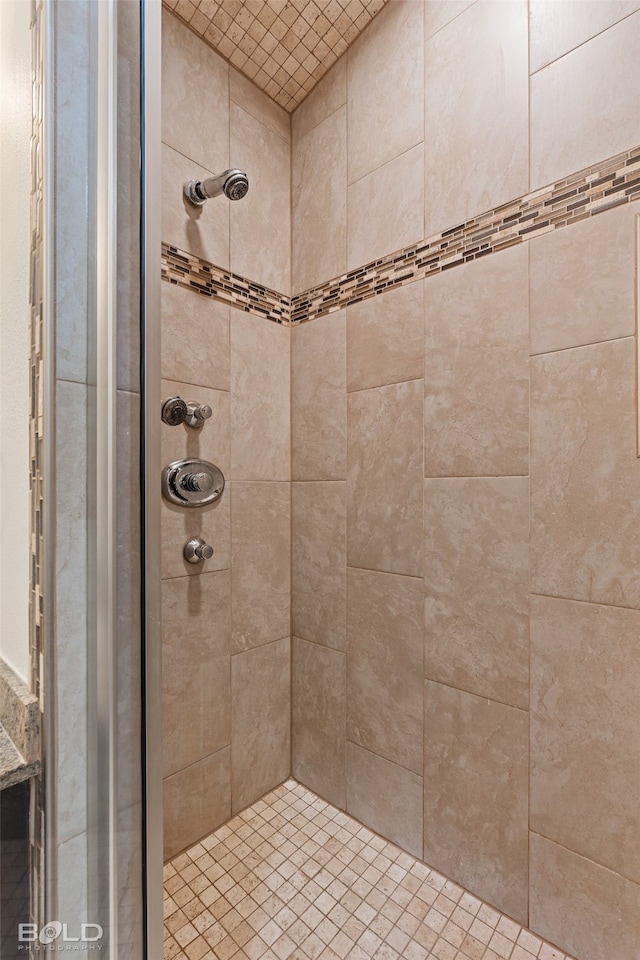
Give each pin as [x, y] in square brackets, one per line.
[293, 878]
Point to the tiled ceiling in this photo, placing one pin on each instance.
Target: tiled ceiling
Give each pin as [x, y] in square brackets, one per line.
[284, 46]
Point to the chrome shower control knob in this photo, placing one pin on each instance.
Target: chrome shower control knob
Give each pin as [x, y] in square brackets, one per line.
[197, 413]
[200, 482]
[174, 411]
[192, 482]
[196, 550]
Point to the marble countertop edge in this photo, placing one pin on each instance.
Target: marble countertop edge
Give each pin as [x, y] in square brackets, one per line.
[13, 767]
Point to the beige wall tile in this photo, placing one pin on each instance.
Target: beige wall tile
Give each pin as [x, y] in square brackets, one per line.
[195, 801]
[203, 231]
[261, 563]
[385, 338]
[585, 474]
[476, 117]
[210, 442]
[385, 797]
[585, 715]
[196, 669]
[319, 203]
[178, 524]
[384, 487]
[260, 399]
[195, 338]
[261, 221]
[586, 106]
[319, 399]
[475, 795]
[558, 27]
[318, 720]
[582, 282]
[438, 13]
[581, 906]
[476, 368]
[319, 562]
[248, 96]
[325, 98]
[384, 209]
[476, 583]
[385, 93]
[261, 693]
[385, 641]
[195, 97]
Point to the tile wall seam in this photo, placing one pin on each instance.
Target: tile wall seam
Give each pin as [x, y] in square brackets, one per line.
[479, 696]
[576, 853]
[603, 186]
[386, 759]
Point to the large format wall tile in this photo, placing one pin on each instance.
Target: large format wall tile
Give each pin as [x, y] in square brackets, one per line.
[261, 563]
[476, 368]
[319, 400]
[319, 203]
[319, 562]
[209, 442]
[195, 97]
[257, 250]
[196, 800]
[585, 475]
[586, 106]
[384, 209]
[195, 338]
[384, 485]
[326, 97]
[438, 13]
[582, 282]
[212, 523]
[260, 399]
[384, 665]
[261, 722]
[585, 716]
[196, 671]
[385, 92]
[385, 338]
[558, 27]
[252, 99]
[476, 583]
[202, 231]
[476, 116]
[475, 795]
[318, 719]
[585, 908]
[386, 797]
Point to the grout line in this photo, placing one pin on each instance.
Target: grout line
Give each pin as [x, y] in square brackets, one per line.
[591, 603]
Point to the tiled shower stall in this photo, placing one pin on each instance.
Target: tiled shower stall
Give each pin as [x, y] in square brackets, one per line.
[424, 601]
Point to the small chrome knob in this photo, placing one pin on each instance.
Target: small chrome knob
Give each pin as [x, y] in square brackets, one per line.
[196, 550]
[174, 411]
[200, 482]
[197, 413]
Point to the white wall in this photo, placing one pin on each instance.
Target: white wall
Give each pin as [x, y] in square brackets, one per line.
[15, 189]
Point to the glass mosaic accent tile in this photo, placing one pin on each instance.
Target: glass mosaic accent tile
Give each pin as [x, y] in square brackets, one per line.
[609, 184]
[294, 878]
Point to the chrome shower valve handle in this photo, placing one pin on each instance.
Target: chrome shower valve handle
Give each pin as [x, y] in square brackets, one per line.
[197, 413]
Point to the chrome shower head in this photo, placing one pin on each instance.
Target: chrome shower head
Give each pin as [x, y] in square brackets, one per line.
[232, 183]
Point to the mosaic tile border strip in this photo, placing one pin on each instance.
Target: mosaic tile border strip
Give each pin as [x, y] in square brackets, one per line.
[222, 285]
[36, 443]
[294, 878]
[608, 184]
